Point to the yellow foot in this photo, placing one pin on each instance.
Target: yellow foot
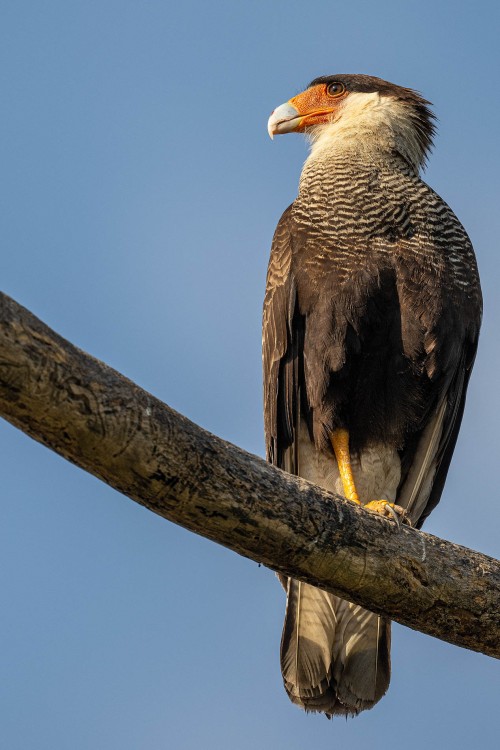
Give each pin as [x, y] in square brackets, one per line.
[389, 510]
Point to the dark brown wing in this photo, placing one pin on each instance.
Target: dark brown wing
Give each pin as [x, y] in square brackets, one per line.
[426, 457]
[280, 347]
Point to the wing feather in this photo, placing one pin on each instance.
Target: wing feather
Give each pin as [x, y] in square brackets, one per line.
[428, 458]
[276, 336]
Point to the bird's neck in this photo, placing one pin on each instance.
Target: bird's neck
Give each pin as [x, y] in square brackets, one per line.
[330, 176]
[331, 173]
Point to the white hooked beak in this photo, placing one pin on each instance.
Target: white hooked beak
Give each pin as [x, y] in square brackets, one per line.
[285, 119]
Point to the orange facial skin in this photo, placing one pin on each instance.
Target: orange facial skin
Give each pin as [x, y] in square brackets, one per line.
[315, 105]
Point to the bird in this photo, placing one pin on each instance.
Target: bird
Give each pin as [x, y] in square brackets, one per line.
[371, 320]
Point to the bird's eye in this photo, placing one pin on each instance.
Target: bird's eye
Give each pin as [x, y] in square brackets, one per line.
[335, 89]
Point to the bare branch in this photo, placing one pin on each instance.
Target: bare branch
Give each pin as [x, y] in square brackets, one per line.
[104, 423]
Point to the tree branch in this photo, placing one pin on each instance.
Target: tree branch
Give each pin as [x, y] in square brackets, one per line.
[107, 425]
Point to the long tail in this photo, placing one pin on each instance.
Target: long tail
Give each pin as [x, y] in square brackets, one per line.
[335, 656]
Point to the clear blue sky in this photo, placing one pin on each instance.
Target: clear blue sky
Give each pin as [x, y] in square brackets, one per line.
[139, 195]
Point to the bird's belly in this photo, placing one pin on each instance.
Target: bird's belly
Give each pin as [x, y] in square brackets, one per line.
[376, 469]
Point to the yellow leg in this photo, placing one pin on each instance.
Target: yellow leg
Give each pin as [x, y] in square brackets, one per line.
[340, 442]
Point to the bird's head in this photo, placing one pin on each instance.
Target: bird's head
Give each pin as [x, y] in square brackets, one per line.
[360, 112]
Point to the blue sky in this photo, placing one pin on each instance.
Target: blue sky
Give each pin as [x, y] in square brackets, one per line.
[139, 196]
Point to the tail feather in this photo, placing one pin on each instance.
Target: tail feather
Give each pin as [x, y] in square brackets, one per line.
[334, 654]
[307, 634]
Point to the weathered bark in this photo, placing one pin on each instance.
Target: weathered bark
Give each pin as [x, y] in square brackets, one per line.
[99, 420]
